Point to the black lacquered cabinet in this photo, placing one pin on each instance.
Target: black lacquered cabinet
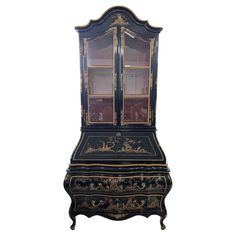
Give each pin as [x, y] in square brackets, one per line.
[118, 168]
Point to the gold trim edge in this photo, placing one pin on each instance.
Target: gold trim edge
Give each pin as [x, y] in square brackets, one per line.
[124, 195]
[115, 165]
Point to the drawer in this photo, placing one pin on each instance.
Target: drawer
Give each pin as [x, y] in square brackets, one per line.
[117, 204]
[118, 184]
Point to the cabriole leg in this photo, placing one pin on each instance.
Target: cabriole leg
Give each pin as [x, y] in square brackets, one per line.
[161, 222]
[72, 216]
[72, 227]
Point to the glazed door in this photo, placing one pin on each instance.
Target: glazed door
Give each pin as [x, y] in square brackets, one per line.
[118, 78]
[100, 79]
[136, 78]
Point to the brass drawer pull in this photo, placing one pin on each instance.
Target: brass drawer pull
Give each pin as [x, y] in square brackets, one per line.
[100, 203]
[139, 205]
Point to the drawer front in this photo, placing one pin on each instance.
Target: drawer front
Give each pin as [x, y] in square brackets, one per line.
[118, 204]
[80, 184]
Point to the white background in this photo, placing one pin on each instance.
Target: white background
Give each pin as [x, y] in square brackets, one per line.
[40, 115]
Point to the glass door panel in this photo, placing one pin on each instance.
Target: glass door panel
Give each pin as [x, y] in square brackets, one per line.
[100, 78]
[137, 51]
[100, 110]
[136, 78]
[136, 82]
[100, 51]
[100, 81]
[136, 110]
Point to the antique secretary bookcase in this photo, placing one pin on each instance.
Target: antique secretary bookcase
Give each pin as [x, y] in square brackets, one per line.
[118, 169]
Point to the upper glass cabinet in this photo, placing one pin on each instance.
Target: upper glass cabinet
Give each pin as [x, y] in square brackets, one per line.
[118, 57]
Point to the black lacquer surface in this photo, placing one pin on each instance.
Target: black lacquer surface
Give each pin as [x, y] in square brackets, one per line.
[118, 169]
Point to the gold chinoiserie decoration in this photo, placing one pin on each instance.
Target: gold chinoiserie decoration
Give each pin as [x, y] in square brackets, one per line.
[119, 20]
[118, 169]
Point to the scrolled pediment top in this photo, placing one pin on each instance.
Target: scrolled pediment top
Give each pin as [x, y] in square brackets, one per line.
[118, 16]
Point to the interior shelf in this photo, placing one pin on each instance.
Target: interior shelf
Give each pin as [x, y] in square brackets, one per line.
[100, 66]
[135, 96]
[100, 95]
[136, 67]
